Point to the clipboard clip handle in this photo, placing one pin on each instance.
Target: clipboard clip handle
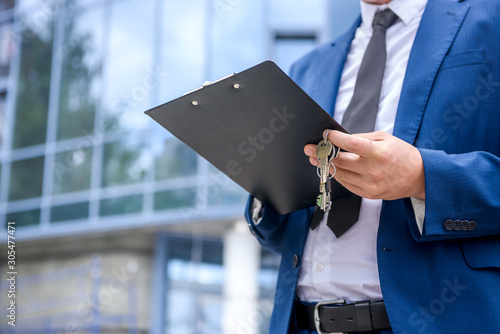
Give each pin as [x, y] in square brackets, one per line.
[209, 83]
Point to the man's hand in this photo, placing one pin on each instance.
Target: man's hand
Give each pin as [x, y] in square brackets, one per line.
[376, 165]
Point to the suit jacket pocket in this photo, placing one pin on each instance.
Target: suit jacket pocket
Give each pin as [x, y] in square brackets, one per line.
[470, 57]
[482, 252]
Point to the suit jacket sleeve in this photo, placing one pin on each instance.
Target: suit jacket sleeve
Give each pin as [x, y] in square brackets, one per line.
[450, 110]
[269, 231]
[462, 195]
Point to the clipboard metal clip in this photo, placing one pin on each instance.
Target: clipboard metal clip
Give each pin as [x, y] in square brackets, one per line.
[209, 83]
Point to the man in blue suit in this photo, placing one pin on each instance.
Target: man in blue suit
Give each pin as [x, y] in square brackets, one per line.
[426, 247]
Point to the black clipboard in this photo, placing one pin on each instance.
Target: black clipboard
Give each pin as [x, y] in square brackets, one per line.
[253, 127]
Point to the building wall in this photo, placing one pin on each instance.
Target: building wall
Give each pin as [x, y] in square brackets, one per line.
[82, 285]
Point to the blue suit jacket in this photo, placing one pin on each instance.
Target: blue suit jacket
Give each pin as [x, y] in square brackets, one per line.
[446, 280]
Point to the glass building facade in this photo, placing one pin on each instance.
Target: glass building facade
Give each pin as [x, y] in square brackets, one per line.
[78, 157]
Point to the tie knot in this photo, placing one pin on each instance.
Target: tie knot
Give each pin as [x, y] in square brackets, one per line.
[385, 18]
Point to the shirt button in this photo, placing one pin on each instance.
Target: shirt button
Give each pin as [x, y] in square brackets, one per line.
[295, 261]
[319, 267]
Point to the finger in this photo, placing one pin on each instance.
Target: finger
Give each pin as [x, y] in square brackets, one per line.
[373, 136]
[353, 143]
[347, 176]
[314, 161]
[355, 189]
[310, 150]
[350, 161]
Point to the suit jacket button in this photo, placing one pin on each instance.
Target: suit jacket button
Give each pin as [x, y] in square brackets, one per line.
[448, 225]
[472, 225]
[465, 225]
[457, 225]
[295, 261]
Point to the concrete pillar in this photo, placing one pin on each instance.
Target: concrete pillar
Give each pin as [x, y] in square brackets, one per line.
[241, 289]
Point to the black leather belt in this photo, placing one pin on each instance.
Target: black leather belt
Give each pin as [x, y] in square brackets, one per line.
[337, 317]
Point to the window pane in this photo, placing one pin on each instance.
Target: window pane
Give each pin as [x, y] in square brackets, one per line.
[26, 179]
[196, 261]
[180, 315]
[124, 163]
[211, 308]
[175, 199]
[183, 46]
[69, 212]
[25, 218]
[239, 36]
[293, 13]
[80, 73]
[289, 48]
[77, 3]
[33, 85]
[121, 205]
[179, 249]
[222, 191]
[72, 171]
[29, 4]
[6, 46]
[195, 279]
[129, 75]
[229, 196]
[341, 15]
[212, 254]
[2, 118]
[175, 160]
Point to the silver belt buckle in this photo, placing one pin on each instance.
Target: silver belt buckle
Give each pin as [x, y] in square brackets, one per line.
[317, 321]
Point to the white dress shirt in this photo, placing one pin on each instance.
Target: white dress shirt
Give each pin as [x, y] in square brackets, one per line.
[346, 268]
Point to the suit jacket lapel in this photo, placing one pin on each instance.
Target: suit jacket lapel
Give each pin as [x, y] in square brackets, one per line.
[440, 24]
[330, 68]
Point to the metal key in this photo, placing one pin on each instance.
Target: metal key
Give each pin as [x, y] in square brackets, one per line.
[326, 195]
[323, 200]
[323, 153]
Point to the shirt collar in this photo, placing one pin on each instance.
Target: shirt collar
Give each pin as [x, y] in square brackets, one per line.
[406, 10]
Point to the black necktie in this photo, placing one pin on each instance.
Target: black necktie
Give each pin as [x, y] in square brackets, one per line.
[360, 116]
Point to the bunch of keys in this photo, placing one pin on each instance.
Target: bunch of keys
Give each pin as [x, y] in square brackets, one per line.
[325, 152]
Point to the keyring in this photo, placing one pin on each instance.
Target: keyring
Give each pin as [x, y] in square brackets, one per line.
[326, 135]
[318, 169]
[334, 171]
